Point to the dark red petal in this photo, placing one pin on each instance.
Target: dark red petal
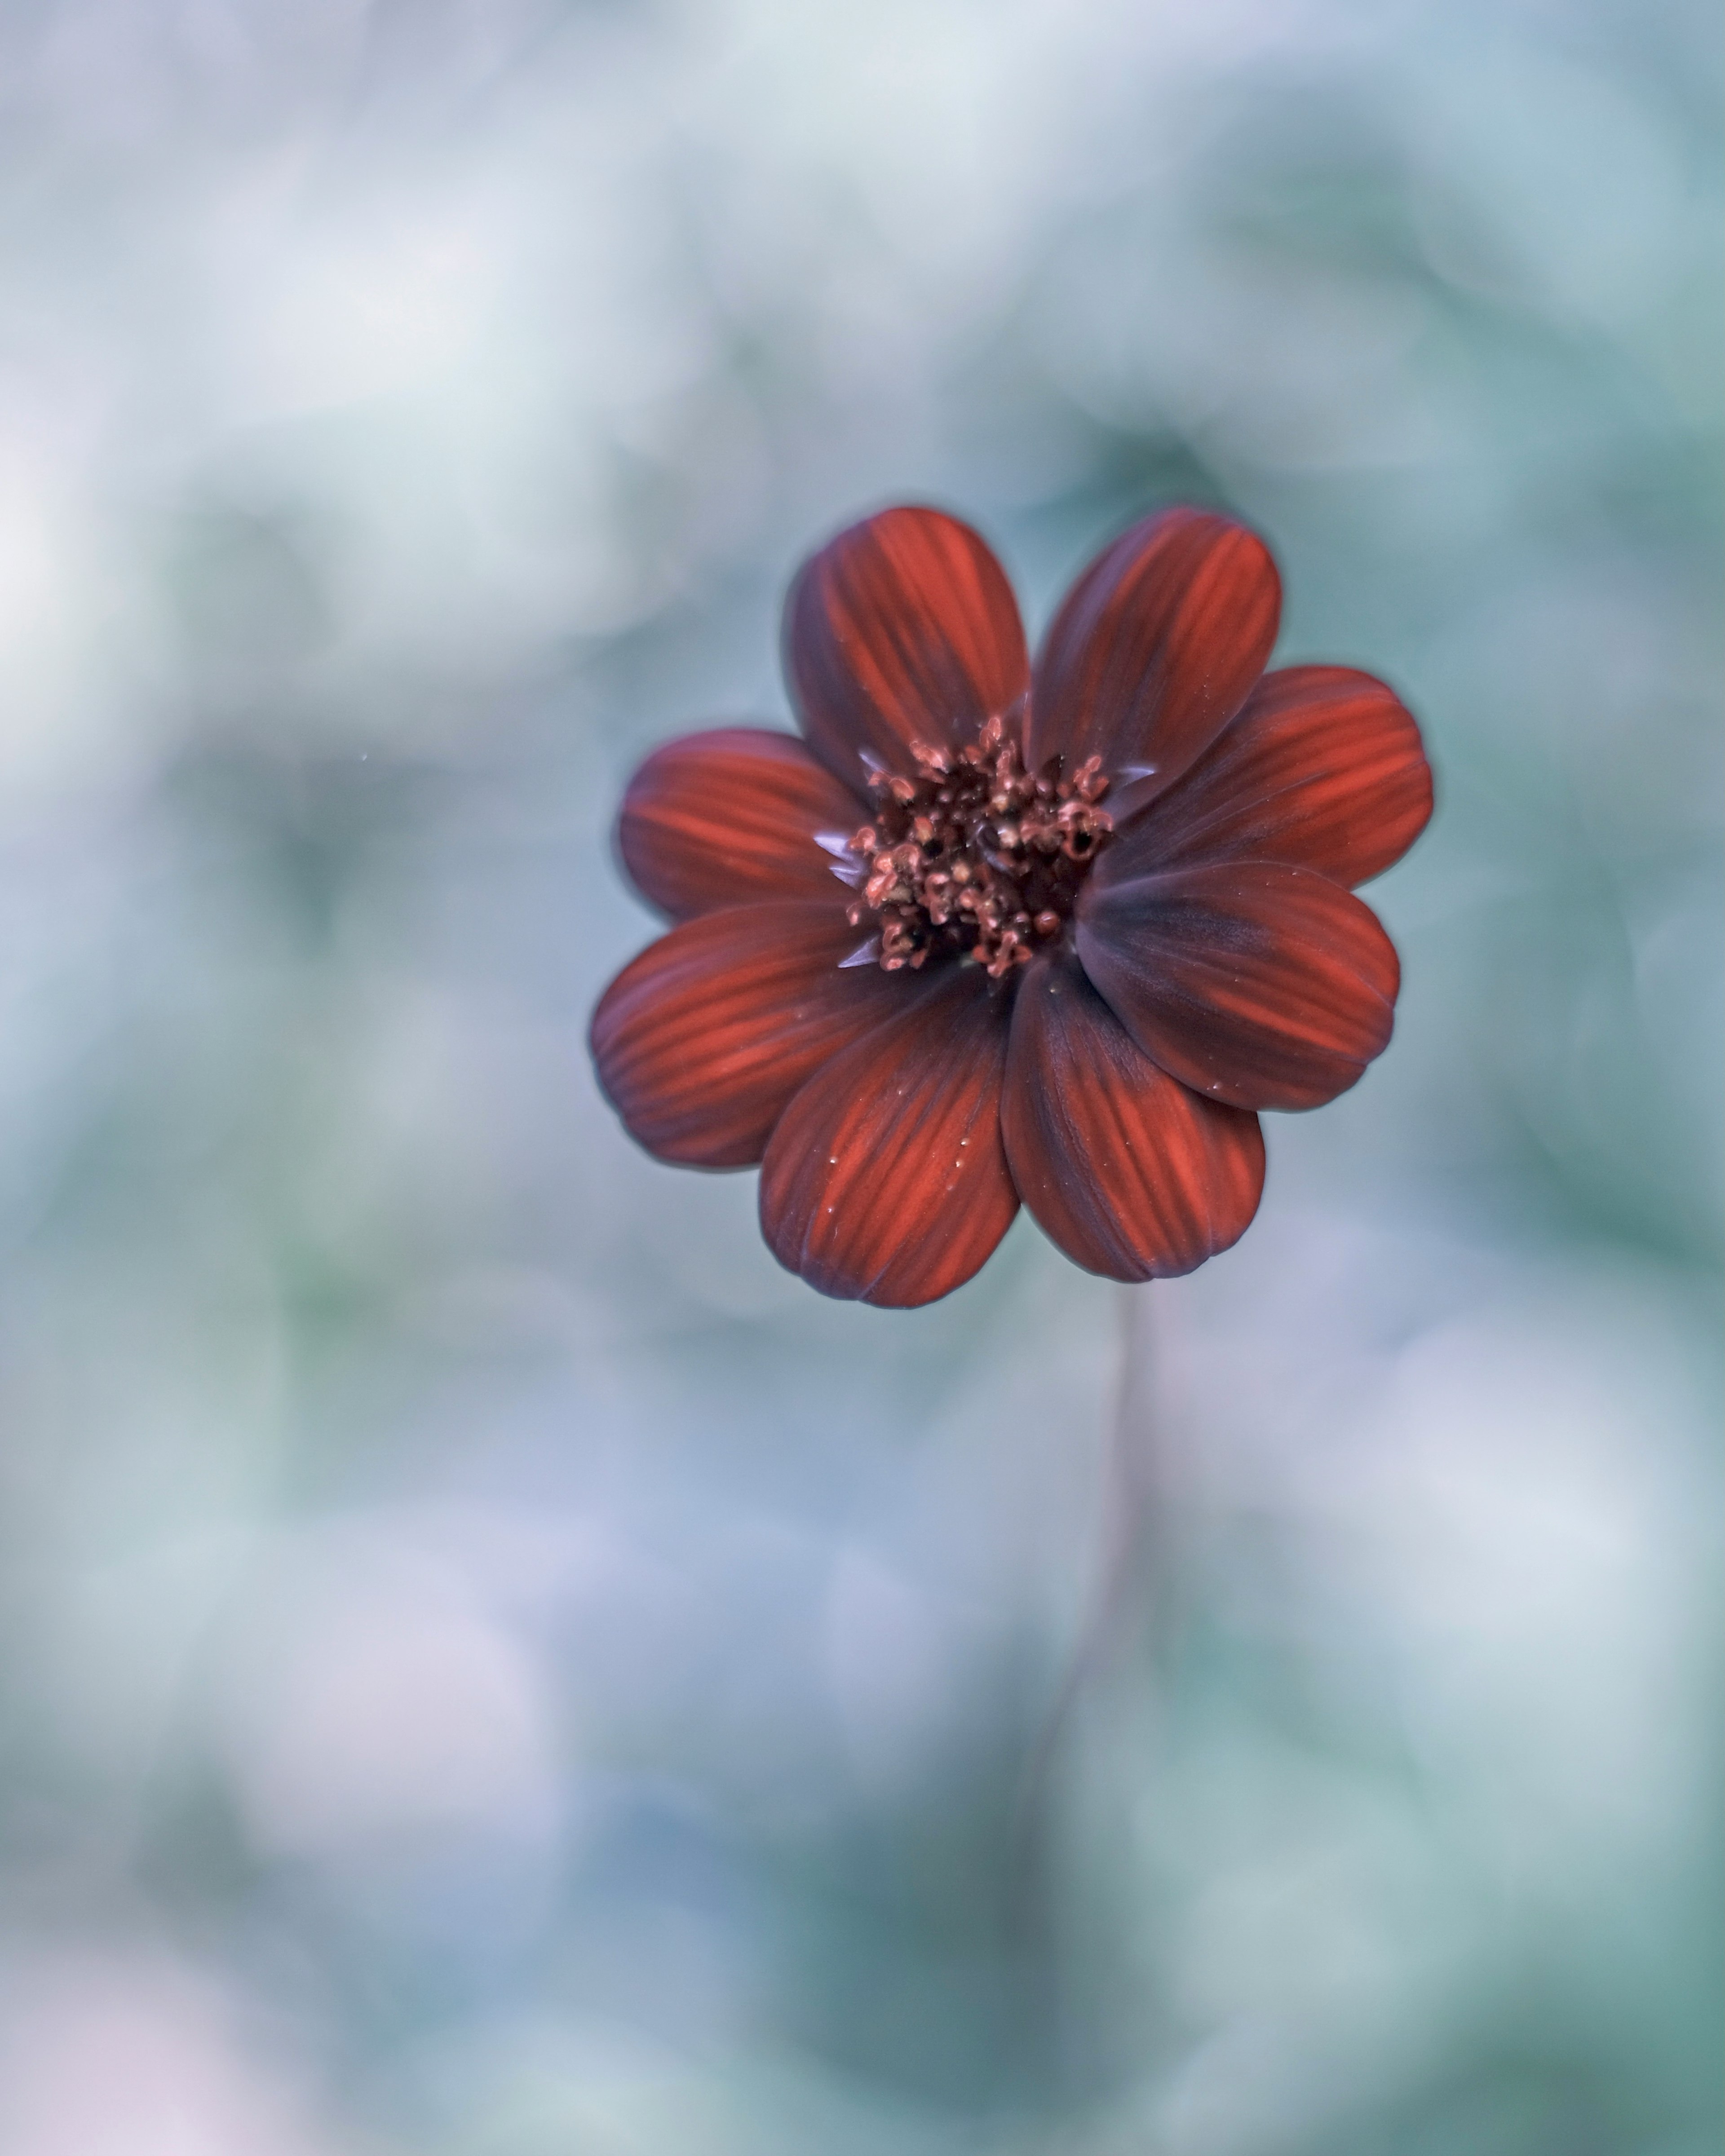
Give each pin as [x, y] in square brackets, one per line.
[903, 629]
[1129, 1172]
[701, 1041]
[1263, 986]
[724, 818]
[885, 1178]
[1324, 769]
[1155, 647]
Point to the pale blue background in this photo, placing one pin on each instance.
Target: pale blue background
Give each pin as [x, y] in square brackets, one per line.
[491, 1665]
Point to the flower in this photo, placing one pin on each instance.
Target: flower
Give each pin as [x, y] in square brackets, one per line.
[988, 935]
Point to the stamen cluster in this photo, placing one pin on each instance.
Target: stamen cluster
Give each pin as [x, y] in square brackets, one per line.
[975, 855]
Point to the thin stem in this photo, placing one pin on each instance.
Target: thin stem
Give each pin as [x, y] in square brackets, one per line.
[1128, 1487]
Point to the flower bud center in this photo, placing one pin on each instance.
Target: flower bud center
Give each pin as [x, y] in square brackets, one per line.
[975, 856]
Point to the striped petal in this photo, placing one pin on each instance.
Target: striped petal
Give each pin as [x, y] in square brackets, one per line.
[885, 1180]
[903, 629]
[1262, 985]
[701, 1041]
[1128, 1172]
[1323, 769]
[735, 815]
[1154, 648]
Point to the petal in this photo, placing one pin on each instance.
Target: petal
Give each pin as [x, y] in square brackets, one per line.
[1324, 769]
[1155, 647]
[903, 629]
[701, 1041]
[1129, 1172]
[1263, 986]
[885, 1178]
[723, 818]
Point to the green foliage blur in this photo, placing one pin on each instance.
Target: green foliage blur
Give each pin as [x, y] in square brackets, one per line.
[490, 1666]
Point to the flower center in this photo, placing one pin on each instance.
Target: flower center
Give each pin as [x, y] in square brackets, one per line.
[975, 856]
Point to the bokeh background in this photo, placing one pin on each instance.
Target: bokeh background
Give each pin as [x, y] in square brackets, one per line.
[489, 1666]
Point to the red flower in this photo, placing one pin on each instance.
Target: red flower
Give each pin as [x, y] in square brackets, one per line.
[984, 935]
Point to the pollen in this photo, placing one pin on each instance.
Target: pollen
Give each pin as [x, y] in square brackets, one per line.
[976, 857]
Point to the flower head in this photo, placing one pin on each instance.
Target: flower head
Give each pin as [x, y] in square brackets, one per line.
[989, 934]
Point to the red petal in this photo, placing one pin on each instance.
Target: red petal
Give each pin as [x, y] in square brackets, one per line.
[903, 629]
[1131, 1174]
[1263, 986]
[1155, 647]
[885, 1178]
[1324, 769]
[701, 1041]
[723, 818]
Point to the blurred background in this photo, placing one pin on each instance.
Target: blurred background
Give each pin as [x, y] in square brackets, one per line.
[488, 1664]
